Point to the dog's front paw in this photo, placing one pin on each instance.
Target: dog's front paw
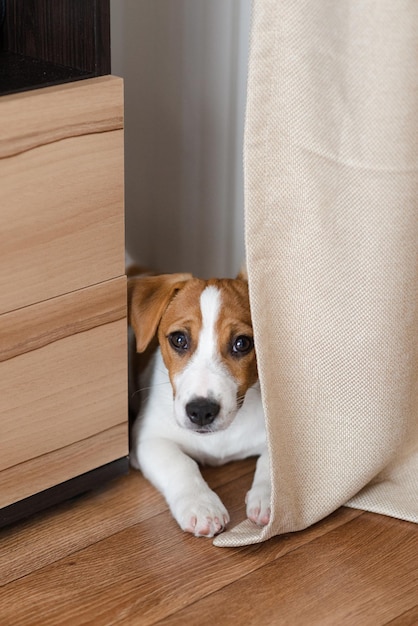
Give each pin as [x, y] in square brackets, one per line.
[203, 515]
[258, 504]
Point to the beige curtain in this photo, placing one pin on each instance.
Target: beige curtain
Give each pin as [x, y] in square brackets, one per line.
[331, 169]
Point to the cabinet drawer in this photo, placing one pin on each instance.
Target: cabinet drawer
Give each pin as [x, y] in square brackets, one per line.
[31, 477]
[63, 378]
[61, 167]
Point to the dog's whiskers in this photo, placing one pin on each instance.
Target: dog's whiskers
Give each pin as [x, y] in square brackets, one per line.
[149, 388]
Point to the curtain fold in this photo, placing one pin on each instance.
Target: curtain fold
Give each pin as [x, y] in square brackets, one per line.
[331, 187]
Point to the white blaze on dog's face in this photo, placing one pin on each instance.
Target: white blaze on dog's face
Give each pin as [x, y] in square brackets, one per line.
[206, 339]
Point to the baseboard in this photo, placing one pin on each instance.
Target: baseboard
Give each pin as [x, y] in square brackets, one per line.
[64, 491]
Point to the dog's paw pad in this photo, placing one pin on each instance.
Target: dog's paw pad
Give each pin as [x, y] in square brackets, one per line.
[258, 506]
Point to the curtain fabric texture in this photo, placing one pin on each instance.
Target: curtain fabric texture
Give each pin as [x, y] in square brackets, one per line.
[331, 184]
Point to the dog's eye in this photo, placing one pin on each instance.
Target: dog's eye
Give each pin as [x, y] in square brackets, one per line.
[242, 345]
[178, 341]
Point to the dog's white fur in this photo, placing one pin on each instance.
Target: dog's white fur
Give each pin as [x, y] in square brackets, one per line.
[167, 446]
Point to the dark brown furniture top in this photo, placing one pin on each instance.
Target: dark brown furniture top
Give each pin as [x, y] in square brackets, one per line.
[46, 42]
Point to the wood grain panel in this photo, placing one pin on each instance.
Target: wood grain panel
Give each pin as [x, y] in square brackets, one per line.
[409, 618]
[75, 33]
[22, 73]
[62, 393]
[43, 323]
[36, 118]
[21, 481]
[62, 224]
[62, 221]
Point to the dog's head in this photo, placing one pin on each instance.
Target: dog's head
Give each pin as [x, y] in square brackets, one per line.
[206, 339]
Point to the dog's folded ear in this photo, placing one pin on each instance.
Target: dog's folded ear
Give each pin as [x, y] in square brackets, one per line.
[243, 275]
[148, 298]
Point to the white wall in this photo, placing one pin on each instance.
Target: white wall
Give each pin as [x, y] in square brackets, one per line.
[185, 67]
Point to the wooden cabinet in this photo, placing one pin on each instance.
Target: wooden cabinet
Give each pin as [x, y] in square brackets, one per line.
[63, 353]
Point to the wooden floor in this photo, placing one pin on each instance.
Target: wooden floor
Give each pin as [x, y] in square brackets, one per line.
[115, 556]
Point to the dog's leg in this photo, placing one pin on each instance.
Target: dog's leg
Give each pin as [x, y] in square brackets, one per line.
[259, 496]
[196, 508]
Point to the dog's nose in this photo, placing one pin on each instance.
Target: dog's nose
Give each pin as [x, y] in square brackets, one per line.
[202, 411]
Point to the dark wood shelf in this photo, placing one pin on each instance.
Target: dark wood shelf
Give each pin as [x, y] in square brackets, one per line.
[45, 42]
[20, 73]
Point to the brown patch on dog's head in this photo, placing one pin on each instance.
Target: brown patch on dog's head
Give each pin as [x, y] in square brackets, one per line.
[148, 298]
[235, 333]
[182, 317]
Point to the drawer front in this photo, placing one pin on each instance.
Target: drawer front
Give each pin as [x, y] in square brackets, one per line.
[24, 480]
[61, 167]
[64, 380]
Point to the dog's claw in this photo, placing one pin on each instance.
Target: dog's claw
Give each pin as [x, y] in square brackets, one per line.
[209, 527]
[261, 519]
[192, 526]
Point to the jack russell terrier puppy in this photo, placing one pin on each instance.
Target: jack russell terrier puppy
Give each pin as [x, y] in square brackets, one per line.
[200, 398]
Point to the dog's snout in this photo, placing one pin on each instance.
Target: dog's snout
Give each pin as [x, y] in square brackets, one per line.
[202, 411]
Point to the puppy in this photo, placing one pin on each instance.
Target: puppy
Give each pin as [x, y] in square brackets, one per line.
[200, 397]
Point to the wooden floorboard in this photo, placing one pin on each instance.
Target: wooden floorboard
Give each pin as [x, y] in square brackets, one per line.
[360, 573]
[115, 556]
[409, 618]
[77, 524]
